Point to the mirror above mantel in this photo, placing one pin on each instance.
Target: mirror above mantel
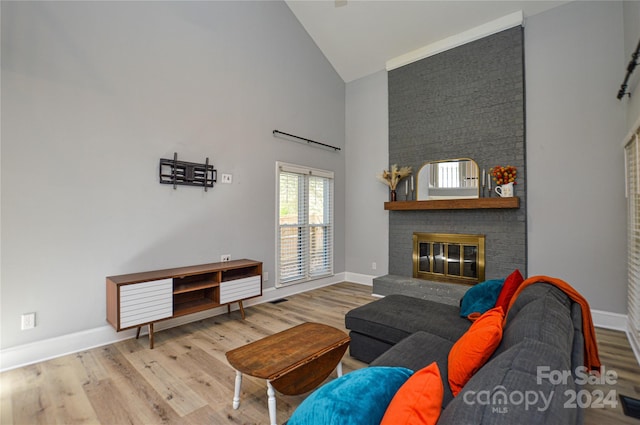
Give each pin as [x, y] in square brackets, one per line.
[448, 179]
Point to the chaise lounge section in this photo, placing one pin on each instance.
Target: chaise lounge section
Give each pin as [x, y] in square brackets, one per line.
[379, 325]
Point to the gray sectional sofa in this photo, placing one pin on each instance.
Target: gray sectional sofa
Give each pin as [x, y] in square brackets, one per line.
[542, 333]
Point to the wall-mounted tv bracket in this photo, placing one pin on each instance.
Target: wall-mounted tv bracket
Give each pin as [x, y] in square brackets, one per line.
[185, 173]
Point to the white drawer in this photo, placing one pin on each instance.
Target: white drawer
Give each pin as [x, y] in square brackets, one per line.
[239, 289]
[145, 302]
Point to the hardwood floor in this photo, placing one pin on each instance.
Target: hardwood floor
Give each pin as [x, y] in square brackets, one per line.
[186, 379]
[616, 355]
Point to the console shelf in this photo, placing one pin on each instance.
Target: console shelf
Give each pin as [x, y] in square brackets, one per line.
[454, 204]
[188, 307]
[181, 288]
[138, 299]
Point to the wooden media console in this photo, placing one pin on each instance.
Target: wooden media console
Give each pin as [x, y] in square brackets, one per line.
[139, 299]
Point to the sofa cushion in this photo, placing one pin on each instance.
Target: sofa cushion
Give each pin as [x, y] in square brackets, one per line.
[547, 318]
[418, 401]
[417, 351]
[395, 317]
[497, 393]
[474, 348]
[511, 284]
[535, 292]
[359, 397]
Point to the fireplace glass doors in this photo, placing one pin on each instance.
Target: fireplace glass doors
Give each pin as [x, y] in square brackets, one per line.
[448, 257]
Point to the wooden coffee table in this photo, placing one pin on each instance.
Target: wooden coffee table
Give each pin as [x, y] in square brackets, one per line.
[293, 361]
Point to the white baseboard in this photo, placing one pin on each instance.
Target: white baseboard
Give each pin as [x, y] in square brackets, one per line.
[26, 354]
[363, 279]
[616, 322]
[23, 355]
[608, 320]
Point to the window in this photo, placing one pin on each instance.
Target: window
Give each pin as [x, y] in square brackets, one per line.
[454, 174]
[632, 167]
[448, 174]
[305, 224]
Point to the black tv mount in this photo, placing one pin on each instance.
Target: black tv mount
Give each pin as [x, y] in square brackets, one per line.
[185, 173]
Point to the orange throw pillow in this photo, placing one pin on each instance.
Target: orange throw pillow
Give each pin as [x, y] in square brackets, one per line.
[474, 348]
[511, 284]
[418, 401]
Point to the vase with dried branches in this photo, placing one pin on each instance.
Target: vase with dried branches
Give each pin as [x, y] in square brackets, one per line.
[393, 176]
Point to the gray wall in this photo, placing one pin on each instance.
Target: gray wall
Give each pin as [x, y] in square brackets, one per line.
[367, 155]
[575, 162]
[95, 93]
[466, 102]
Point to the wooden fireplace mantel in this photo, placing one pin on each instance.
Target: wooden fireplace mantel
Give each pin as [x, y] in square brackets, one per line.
[454, 204]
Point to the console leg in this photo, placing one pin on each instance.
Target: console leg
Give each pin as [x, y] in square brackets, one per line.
[271, 394]
[236, 391]
[151, 335]
[138, 332]
[241, 309]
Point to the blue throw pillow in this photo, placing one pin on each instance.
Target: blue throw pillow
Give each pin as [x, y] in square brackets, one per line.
[481, 297]
[360, 397]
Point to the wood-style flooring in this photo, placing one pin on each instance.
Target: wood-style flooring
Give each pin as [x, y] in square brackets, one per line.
[186, 379]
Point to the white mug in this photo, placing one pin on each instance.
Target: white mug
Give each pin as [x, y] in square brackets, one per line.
[505, 190]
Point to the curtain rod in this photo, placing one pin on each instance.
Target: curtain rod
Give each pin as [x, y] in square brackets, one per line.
[275, 132]
[632, 65]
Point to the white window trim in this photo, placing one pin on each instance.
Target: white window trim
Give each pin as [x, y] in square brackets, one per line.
[288, 167]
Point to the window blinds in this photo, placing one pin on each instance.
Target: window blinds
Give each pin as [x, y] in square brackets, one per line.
[305, 223]
[632, 170]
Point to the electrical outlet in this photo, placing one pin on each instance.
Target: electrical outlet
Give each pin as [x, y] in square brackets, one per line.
[227, 178]
[374, 266]
[265, 276]
[28, 321]
[225, 257]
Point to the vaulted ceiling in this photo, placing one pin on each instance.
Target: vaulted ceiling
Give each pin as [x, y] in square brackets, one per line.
[359, 36]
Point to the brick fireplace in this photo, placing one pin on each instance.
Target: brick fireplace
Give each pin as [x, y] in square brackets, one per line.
[467, 102]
